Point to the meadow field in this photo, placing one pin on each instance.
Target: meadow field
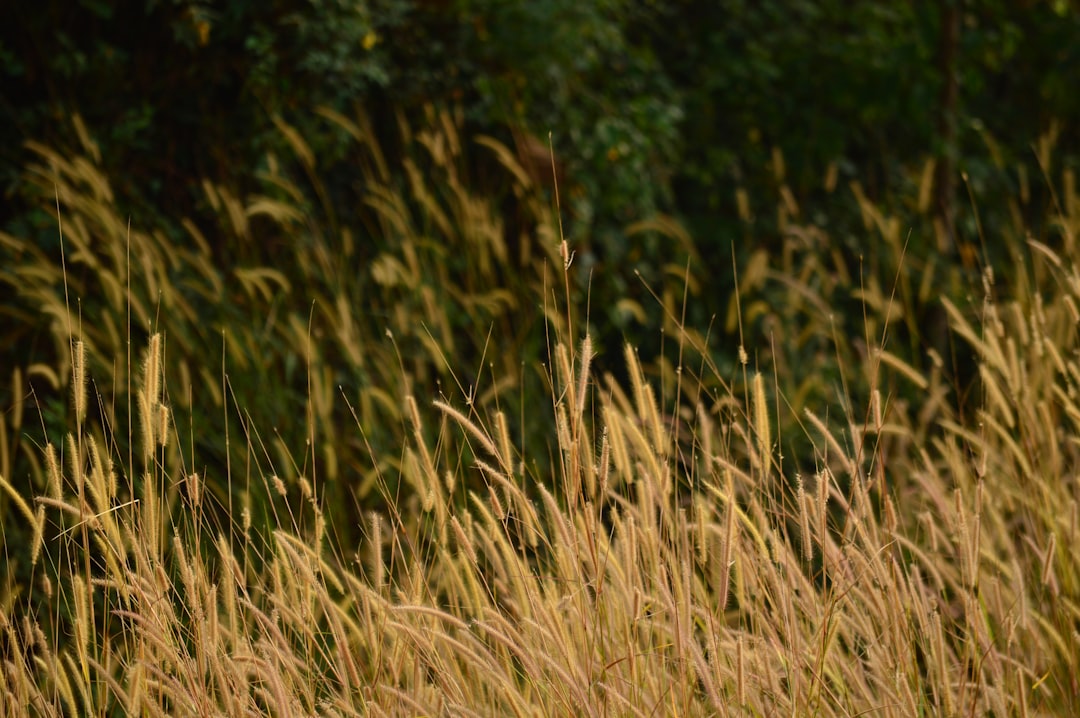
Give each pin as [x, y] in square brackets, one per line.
[317, 479]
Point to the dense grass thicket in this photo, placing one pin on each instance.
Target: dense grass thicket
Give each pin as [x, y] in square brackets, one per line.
[325, 477]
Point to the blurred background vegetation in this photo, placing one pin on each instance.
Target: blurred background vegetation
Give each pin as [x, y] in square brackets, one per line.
[326, 205]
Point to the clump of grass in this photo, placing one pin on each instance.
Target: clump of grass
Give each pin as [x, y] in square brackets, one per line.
[655, 571]
[677, 553]
[344, 303]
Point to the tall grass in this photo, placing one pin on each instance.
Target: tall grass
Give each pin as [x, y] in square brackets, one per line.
[672, 561]
[343, 303]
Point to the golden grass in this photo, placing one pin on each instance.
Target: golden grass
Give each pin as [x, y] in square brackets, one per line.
[672, 561]
[276, 284]
[933, 584]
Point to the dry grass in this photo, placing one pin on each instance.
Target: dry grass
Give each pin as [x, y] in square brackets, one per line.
[674, 562]
[363, 297]
[637, 581]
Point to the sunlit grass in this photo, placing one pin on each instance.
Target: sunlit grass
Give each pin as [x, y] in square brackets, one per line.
[672, 554]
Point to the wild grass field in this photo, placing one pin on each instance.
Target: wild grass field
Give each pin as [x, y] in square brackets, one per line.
[390, 508]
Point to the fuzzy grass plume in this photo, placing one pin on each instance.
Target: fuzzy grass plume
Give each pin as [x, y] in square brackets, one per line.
[618, 586]
[680, 551]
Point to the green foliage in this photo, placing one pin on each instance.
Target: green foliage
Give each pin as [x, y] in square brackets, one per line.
[581, 72]
[849, 94]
